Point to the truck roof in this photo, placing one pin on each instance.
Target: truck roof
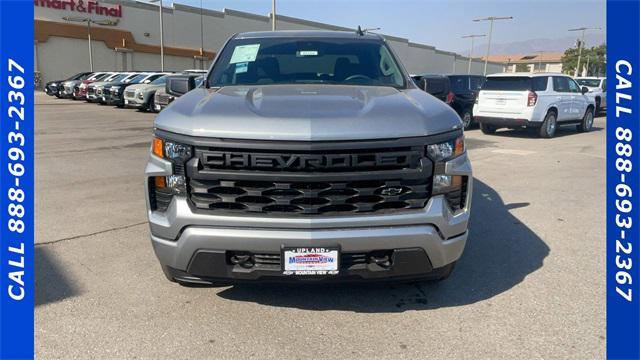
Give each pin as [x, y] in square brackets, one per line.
[307, 34]
[526, 74]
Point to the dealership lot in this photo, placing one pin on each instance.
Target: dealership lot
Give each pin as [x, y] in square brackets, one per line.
[530, 284]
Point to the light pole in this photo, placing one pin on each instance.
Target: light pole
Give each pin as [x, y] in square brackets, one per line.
[161, 35]
[89, 21]
[472, 37]
[202, 61]
[581, 44]
[540, 53]
[588, 58]
[273, 15]
[491, 19]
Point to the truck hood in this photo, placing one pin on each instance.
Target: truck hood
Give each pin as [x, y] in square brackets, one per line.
[307, 113]
[143, 87]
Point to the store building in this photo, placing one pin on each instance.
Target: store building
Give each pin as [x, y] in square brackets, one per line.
[125, 35]
[538, 62]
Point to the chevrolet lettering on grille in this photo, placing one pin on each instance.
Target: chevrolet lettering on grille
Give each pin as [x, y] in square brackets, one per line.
[308, 162]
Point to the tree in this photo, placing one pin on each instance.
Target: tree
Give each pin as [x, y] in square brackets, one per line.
[522, 68]
[594, 56]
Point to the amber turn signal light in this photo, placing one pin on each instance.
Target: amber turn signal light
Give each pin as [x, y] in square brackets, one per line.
[160, 182]
[158, 147]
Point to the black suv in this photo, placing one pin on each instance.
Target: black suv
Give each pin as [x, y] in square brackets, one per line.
[436, 85]
[464, 89]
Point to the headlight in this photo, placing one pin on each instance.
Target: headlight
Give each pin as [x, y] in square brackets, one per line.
[178, 154]
[453, 187]
[446, 150]
[171, 150]
[140, 96]
[115, 90]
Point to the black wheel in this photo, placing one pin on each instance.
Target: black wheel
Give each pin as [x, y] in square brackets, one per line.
[587, 121]
[151, 104]
[549, 125]
[488, 129]
[467, 119]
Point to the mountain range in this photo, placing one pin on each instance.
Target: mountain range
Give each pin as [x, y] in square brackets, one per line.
[533, 45]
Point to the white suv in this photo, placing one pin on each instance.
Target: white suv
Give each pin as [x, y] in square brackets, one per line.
[541, 100]
[597, 89]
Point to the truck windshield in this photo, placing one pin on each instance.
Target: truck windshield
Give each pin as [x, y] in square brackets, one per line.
[306, 61]
[589, 82]
[160, 81]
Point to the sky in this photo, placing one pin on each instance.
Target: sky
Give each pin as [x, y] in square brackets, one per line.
[438, 23]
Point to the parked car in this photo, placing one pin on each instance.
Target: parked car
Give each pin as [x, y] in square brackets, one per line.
[92, 88]
[80, 91]
[115, 93]
[307, 156]
[194, 71]
[162, 98]
[597, 89]
[465, 89]
[436, 85]
[71, 86]
[56, 87]
[141, 96]
[540, 100]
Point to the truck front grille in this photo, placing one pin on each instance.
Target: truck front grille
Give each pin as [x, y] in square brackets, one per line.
[308, 181]
[130, 94]
[163, 98]
[309, 198]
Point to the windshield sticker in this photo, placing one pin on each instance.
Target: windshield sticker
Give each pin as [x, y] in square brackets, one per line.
[244, 53]
[307, 53]
[242, 67]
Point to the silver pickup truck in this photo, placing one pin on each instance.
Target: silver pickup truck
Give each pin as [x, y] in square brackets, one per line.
[307, 156]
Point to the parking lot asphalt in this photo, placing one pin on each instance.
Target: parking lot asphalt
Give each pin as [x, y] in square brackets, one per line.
[531, 283]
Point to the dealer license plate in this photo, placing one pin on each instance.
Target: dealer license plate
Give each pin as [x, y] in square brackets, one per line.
[310, 261]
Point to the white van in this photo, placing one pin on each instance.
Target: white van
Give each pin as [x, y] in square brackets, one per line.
[539, 100]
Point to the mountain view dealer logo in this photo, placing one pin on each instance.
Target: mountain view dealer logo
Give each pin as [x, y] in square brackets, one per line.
[90, 7]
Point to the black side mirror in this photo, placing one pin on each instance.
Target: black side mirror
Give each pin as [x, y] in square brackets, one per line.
[423, 84]
[584, 90]
[179, 85]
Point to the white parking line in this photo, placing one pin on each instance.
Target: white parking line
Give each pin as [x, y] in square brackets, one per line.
[513, 152]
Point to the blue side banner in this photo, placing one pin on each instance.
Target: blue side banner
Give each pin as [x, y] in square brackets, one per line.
[16, 179]
[623, 182]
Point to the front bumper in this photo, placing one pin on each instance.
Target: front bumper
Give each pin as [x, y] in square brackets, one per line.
[134, 102]
[421, 242]
[114, 99]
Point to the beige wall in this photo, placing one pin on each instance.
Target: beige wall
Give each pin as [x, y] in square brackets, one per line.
[61, 57]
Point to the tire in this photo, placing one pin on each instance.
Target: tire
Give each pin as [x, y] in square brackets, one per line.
[587, 121]
[467, 119]
[549, 125]
[488, 129]
[151, 104]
